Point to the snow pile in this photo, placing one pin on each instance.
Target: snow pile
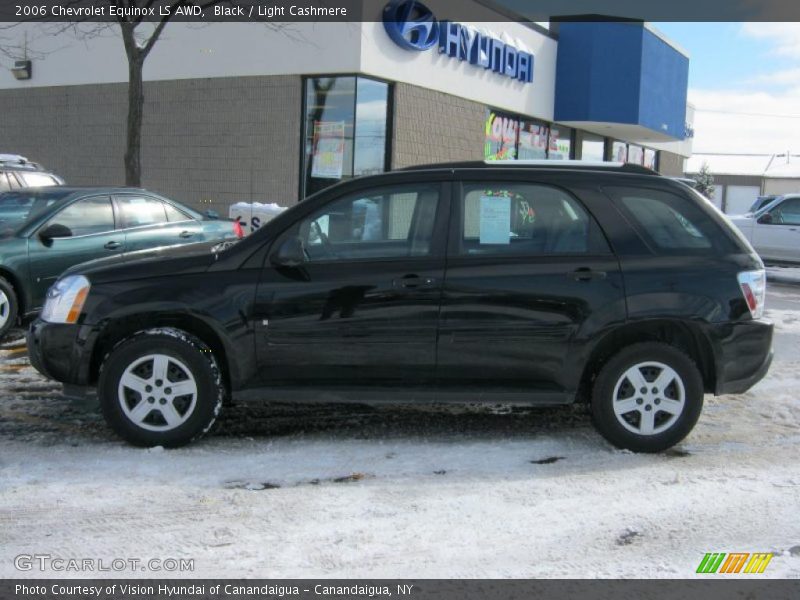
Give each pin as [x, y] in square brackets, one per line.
[254, 214]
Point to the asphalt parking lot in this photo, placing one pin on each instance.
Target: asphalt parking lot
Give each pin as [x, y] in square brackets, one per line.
[332, 491]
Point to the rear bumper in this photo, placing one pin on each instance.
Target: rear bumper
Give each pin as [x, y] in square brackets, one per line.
[744, 355]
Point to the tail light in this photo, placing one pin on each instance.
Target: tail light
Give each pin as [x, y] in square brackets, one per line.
[754, 290]
[237, 229]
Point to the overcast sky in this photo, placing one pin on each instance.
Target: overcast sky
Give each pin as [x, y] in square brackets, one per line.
[744, 79]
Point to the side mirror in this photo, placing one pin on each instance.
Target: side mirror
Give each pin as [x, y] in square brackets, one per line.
[289, 254]
[765, 219]
[52, 231]
[212, 214]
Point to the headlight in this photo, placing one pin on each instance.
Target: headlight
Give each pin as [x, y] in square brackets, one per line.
[65, 299]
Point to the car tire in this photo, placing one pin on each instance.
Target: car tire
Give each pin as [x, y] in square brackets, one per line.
[9, 307]
[161, 387]
[647, 397]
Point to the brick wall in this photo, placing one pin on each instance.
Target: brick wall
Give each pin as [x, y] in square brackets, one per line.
[670, 164]
[205, 142]
[431, 127]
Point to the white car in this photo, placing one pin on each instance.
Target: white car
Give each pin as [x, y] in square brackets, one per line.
[774, 230]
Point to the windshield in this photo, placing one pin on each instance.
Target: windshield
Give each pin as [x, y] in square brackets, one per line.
[23, 205]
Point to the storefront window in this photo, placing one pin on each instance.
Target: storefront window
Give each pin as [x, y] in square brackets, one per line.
[533, 141]
[619, 152]
[635, 154]
[507, 137]
[560, 143]
[650, 158]
[345, 130]
[501, 136]
[593, 147]
[371, 125]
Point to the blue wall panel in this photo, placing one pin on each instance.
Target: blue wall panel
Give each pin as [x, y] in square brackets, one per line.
[620, 73]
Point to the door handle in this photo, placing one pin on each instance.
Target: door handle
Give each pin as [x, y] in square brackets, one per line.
[413, 282]
[185, 234]
[112, 245]
[587, 274]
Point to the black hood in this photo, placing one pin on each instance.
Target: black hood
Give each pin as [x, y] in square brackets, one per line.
[152, 262]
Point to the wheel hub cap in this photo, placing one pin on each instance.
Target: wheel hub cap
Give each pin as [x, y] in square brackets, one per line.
[157, 392]
[648, 398]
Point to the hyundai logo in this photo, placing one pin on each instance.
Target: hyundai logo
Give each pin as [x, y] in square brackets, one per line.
[411, 25]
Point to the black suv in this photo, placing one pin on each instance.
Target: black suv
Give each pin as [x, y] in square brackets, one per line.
[18, 172]
[500, 283]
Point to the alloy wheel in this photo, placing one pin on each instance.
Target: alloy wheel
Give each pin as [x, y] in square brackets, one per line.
[649, 397]
[157, 392]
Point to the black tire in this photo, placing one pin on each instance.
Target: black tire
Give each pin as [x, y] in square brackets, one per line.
[9, 307]
[188, 361]
[651, 425]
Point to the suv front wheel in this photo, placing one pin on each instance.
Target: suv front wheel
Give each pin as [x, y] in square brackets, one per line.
[161, 387]
[647, 397]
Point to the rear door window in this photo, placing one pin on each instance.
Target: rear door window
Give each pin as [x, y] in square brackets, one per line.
[525, 219]
[670, 223]
[174, 215]
[138, 211]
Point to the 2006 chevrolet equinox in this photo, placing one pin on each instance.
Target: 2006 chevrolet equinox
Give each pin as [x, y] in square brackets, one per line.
[522, 283]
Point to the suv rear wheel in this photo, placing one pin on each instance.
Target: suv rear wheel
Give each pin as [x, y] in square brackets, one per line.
[647, 398]
[161, 387]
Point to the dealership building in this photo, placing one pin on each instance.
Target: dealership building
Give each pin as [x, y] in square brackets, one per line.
[272, 113]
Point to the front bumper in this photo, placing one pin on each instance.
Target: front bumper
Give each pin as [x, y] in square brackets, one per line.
[744, 355]
[61, 352]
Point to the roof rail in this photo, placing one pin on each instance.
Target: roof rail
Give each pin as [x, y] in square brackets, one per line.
[539, 164]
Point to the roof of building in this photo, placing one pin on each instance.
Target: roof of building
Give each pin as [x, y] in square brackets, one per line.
[784, 166]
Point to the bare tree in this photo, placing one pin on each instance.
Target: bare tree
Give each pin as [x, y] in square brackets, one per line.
[137, 48]
[139, 35]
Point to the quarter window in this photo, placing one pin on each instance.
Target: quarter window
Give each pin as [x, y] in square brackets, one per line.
[525, 219]
[669, 222]
[87, 216]
[387, 223]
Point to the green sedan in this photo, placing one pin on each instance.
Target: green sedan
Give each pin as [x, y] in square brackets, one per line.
[44, 231]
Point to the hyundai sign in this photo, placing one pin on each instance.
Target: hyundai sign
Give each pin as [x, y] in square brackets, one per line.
[412, 26]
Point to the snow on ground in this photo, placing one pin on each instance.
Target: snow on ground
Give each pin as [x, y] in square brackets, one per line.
[335, 491]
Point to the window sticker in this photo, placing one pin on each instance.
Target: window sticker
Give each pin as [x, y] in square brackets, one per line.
[328, 158]
[495, 223]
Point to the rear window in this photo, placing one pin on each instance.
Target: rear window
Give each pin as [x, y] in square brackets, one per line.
[670, 223]
[38, 179]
